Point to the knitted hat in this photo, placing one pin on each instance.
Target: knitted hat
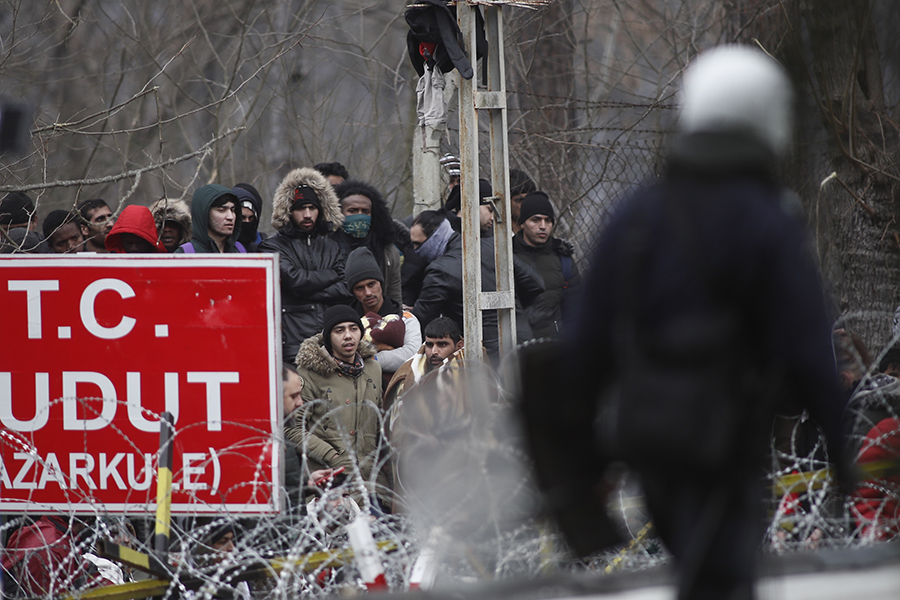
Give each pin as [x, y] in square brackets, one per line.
[248, 200]
[253, 192]
[334, 316]
[387, 331]
[16, 208]
[536, 203]
[454, 201]
[305, 195]
[362, 265]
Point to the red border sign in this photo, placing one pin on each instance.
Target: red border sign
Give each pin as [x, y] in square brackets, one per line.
[93, 349]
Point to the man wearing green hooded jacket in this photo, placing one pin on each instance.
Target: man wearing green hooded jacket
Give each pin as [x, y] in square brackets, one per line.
[215, 223]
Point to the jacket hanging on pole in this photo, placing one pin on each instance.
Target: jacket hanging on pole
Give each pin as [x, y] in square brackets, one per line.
[434, 38]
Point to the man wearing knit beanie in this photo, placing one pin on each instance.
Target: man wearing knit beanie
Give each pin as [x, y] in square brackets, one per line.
[345, 316]
[395, 332]
[551, 257]
[18, 224]
[361, 264]
[342, 402]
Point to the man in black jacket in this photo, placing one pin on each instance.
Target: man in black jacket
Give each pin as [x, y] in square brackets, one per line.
[551, 257]
[305, 209]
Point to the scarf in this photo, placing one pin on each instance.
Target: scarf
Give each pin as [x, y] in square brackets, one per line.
[435, 245]
[353, 370]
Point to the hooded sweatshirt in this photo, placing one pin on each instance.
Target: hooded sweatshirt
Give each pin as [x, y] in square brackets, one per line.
[250, 237]
[137, 220]
[201, 202]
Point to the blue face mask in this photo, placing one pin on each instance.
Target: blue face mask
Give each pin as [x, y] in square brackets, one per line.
[357, 225]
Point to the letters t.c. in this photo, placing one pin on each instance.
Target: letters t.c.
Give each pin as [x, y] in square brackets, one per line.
[89, 318]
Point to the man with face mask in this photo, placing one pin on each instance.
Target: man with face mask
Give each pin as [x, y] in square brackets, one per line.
[250, 212]
[368, 223]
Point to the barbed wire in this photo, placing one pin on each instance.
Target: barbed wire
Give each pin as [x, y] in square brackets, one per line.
[487, 528]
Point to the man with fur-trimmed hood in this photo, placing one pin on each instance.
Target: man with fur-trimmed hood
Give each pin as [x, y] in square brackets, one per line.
[173, 222]
[341, 421]
[305, 209]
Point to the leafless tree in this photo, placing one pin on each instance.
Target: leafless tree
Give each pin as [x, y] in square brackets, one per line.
[136, 100]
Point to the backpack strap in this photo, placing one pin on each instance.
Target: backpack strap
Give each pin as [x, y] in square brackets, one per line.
[188, 248]
[240, 247]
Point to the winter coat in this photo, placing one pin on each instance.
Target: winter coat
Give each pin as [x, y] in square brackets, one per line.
[544, 315]
[341, 415]
[312, 269]
[528, 286]
[201, 202]
[442, 286]
[293, 472]
[137, 220]
[433, 23]
[388, 259]
[442, 293]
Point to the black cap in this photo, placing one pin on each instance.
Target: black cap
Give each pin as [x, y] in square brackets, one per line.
[454, 202]
[334, 316]
[536, 203]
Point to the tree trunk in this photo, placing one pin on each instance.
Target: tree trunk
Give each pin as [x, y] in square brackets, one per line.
[543, 82]
[845, 163]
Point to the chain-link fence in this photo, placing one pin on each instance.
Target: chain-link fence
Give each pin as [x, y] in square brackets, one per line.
[586, 171]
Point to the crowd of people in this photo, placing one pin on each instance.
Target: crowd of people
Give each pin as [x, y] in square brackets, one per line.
[702, 321]
[371, 304]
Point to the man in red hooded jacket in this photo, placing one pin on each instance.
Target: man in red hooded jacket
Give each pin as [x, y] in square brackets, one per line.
[134, 232]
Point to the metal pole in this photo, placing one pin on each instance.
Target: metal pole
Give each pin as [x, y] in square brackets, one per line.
[503, 255]
[164, 486]
[468, 176]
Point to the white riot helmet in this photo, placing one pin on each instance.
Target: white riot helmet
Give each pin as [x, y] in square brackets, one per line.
[738, 88]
